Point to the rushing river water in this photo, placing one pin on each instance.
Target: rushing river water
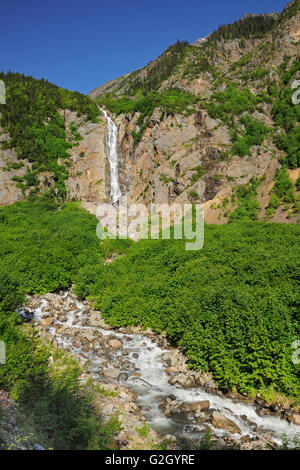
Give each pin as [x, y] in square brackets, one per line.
[143, 370]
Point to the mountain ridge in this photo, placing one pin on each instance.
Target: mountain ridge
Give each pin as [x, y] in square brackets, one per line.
[211, 124]
[202, 121]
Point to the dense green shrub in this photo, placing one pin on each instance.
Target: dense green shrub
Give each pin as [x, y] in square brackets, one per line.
[233, 306]
[234, 106]
[283, 192]
[247, 204]
[41, 251]
[258, 73]
[231, 102]
[171, 101]
[284, 187]
[254, 134]
[290, 143]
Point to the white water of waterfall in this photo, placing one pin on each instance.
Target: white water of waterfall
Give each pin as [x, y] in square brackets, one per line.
[112, 151]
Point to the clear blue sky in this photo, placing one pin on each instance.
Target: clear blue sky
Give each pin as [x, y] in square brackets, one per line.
[81, 44]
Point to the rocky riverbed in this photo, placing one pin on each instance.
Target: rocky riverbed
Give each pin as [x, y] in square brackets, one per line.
[149, 387]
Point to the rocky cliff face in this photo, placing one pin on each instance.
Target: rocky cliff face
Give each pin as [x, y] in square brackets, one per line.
[180, 160]
[88, 179]
[190, 156]
[89, 171]
[9, 168]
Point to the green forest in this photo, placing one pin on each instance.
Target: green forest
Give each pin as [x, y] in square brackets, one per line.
[41, 250]
[248, 27]
[232, 306]
[241, 330]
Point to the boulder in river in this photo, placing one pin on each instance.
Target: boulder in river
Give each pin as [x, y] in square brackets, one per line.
[184, 381]
[115, 343]
[172, 358]
[177, 410]
[200, 416]
[171, 371]
[47, 322]
[219, 421]
[203, 405]
[294, 419]
[112, 373]
[96, 320]
[205, 380]
[87, 335]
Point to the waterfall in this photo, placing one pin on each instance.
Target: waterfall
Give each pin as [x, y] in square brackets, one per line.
[112, 146]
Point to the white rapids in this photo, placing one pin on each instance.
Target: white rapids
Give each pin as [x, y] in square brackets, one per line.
[141, 356]
[112, 153]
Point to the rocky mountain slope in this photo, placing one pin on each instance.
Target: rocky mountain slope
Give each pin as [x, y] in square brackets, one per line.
[214, 122]
[52, 143]
[210, 123]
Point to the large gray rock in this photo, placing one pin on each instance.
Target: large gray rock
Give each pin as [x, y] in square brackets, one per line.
[115, 344]
[219, 421]
[294, 419]
[203, 405]
[183, 380]
[112, 373]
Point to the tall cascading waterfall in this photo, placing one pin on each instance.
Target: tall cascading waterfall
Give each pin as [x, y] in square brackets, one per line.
[112, 147]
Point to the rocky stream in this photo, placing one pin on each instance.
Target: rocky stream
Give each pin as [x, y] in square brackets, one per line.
[153, 388]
